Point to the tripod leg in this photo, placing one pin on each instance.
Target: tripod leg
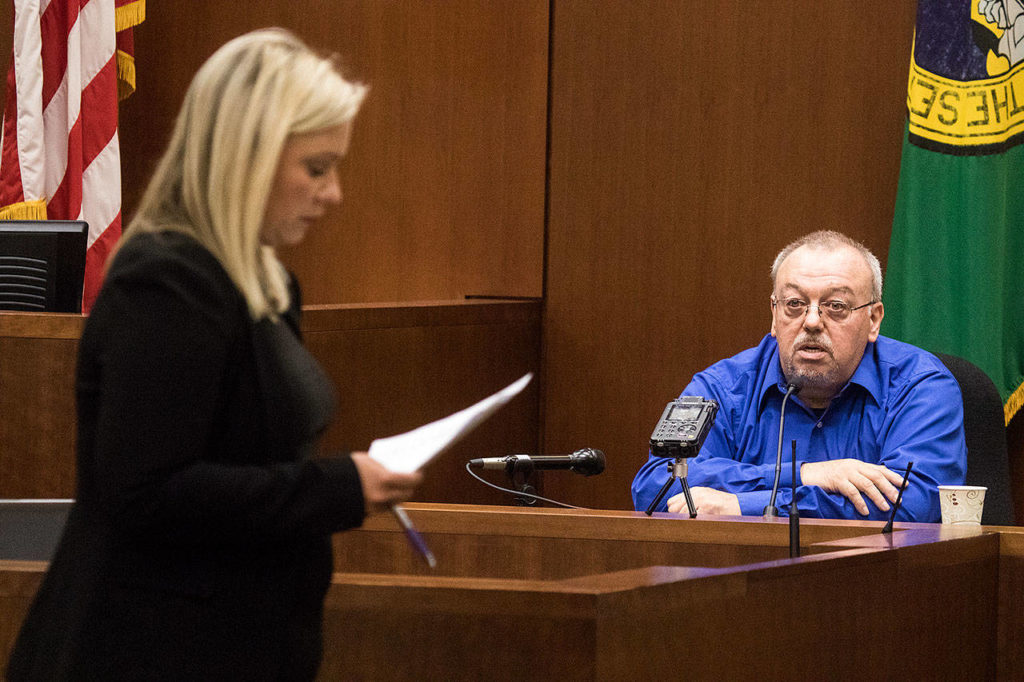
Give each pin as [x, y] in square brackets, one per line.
[661, 494]
[689, 500]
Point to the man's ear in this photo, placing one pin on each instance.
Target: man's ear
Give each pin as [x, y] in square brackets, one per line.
[877, 313]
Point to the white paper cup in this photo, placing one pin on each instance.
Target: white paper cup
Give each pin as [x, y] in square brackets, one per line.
[961, 504]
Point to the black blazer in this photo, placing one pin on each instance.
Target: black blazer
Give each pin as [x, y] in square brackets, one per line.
[199, 544]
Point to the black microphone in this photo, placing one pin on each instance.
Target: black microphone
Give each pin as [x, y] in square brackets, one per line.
[586, 461]
[771, 510]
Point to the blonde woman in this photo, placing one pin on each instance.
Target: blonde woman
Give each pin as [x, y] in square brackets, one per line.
[199, 544]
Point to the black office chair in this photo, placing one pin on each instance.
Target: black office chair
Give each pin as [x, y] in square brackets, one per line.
[985, 430]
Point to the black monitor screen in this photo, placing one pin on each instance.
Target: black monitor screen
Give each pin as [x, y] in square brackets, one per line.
[42, 265]
[31, 529]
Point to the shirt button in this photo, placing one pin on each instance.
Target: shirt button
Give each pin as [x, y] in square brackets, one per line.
[818, 425]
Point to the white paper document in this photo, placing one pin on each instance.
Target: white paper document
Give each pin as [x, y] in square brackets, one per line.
[409, 451]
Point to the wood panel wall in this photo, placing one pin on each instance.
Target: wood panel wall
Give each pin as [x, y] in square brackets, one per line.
[689, 143]
[444, 183]
[686, 142]
[38, 353]
[398, 367]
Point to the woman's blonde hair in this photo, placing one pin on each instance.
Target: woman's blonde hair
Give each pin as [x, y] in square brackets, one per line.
[214, 180]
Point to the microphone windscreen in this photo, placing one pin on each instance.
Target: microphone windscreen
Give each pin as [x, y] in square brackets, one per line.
[589, 461]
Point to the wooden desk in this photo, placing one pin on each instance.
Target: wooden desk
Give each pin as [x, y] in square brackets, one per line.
[603, 595]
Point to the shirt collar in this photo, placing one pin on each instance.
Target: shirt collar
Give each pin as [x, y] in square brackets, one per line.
[865, 376]
[774, 379]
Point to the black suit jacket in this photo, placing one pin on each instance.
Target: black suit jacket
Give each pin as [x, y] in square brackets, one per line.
[199, 544]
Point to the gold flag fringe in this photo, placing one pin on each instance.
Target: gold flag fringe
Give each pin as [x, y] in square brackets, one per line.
[24, 210]
[125, 75]
[1013, 403]
[129, 15]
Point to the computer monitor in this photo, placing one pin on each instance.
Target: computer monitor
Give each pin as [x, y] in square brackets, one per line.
[31, 529]
[42, 265]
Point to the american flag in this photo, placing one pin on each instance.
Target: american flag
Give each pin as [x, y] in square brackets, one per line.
[59, 158]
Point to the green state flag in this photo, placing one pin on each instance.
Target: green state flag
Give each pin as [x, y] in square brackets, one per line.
[955, 275]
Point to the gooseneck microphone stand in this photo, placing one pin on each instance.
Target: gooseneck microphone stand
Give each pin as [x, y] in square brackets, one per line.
[676, 470]
[771, 511]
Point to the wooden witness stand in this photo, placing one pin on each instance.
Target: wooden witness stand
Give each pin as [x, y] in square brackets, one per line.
[602, 595]
[555, 594]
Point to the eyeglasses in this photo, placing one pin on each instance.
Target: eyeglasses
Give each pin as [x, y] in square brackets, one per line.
[837, 311]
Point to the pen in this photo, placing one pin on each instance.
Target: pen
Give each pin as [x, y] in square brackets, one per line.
[415, 539]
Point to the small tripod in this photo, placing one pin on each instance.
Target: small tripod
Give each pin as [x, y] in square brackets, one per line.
[676, 469]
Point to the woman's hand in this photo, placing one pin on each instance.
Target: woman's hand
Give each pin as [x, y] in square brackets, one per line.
[383, 488]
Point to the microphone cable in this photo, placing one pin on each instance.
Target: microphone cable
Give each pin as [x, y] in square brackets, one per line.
[521, 494]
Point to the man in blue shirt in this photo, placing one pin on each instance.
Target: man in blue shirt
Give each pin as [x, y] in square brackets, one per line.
[867, 405]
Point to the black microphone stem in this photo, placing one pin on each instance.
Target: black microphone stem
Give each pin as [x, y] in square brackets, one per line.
[794, 515]
[899, 500]
[771, 511]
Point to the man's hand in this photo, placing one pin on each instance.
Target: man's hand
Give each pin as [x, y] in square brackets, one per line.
[381, 487]
[707, 501]
[851, 478]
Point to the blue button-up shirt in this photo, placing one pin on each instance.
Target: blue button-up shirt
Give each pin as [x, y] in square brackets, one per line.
[901, 405]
